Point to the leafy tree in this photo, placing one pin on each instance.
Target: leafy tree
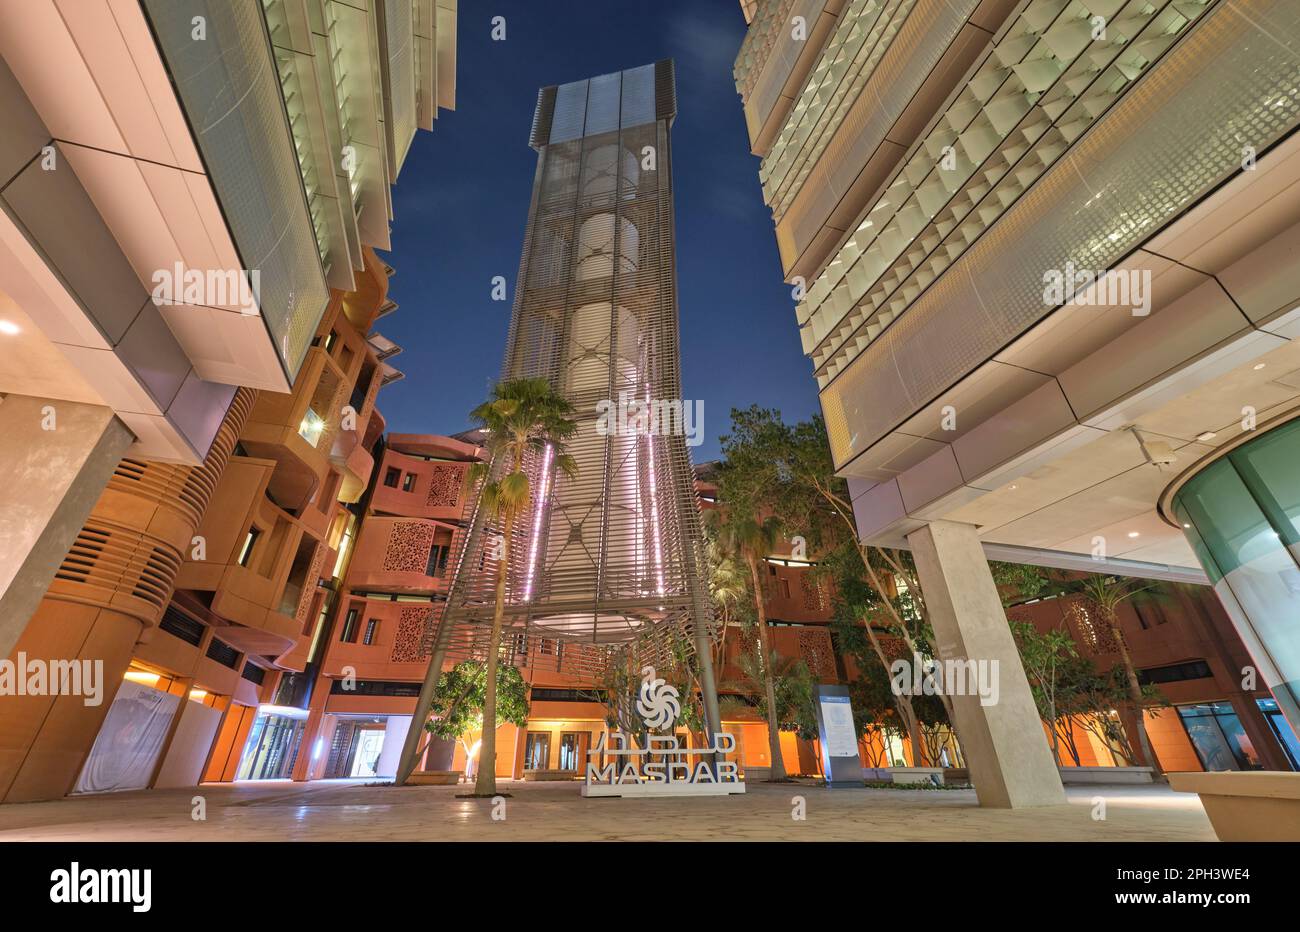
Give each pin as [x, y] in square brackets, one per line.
[732, 606]
[875, 714]
[792, 469]
[1090, 704]
[1103, 595]
[793, 693]
[462, 692]
[1052, 664]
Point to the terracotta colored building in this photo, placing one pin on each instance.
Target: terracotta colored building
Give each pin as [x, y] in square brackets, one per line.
[1219, 717]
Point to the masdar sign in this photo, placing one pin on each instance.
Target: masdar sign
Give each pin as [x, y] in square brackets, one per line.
[663, 767]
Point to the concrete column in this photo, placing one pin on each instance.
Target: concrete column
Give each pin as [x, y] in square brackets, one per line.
[1006, 750]
[55, 459]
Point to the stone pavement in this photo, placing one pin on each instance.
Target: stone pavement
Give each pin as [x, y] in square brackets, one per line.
[352, 811]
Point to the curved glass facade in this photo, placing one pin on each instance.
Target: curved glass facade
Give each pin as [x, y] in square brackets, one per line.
[1241, 515]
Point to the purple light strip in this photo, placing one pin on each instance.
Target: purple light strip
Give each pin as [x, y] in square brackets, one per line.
[537, 523]
[654, 509]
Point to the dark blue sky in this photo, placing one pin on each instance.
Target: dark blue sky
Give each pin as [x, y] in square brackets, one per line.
[461, 205]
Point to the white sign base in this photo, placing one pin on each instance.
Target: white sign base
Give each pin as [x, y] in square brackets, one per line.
[661, 788]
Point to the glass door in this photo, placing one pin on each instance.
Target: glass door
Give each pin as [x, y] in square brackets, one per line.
[537, 750]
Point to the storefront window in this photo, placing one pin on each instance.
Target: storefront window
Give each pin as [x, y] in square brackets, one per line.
[272, 747]
[1285, 735]
[1217, 735]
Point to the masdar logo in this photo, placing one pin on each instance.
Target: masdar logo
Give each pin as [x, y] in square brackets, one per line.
[658, 703]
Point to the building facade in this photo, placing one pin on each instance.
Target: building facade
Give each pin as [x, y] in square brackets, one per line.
[198, 459]
[1038, 257]
[185, 186]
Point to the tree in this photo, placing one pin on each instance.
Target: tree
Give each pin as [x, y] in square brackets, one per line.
[793, 692]
[522, 416]
[875, 715]
[1089, 702]
[729, 593]
[462, 692]
[796, 471]
[1104, 595]
[1048, 659]
[746, 536]
[858, 626]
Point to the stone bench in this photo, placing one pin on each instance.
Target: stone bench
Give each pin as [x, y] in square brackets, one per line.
[550, 775]
[909, 775]
[435, 777]
[1250, 805]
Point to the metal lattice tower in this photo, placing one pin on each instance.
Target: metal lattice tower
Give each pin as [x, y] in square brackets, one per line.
[614, 556]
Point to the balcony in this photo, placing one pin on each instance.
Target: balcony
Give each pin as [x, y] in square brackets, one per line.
[297, 431]
[403, 555]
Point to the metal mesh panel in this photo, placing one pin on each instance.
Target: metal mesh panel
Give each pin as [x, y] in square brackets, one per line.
[401, 75]
[1169, 142]
[613, 557]
[230, 89]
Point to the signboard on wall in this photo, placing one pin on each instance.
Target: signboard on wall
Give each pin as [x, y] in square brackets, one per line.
[839, 737]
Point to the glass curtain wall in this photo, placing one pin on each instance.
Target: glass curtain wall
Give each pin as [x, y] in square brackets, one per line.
[1241, 514]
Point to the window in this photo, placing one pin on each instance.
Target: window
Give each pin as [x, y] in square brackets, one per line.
[437, 560]
[570, 748]
[311, 428]
[392, 476]
[408, 482]
[1175, 672]
[537, 750]
[246, 551]
[1216, 734]
[1281, 730]
[350, 627]
[372, 626]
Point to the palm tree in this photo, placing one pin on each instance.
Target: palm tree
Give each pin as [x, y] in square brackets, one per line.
[751, 539]
[522, 416]
[1104, 595]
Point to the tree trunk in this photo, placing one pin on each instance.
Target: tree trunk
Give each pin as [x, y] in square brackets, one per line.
[777, 772]
[903, 703]
[1135, 694]
[485, 784]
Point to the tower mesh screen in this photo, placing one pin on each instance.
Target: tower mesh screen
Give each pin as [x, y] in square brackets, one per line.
[612, 559]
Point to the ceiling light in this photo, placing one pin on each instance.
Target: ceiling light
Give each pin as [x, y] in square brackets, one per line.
[1133, 534]
[1187, 525]
[9, 327]
[1208, 435]
[1259, 366]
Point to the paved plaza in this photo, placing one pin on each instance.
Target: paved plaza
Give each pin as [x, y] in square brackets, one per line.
[352, 811]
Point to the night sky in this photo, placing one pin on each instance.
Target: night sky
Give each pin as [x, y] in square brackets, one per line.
[461, 204]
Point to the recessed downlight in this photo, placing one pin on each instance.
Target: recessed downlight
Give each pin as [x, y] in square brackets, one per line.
[9, 328]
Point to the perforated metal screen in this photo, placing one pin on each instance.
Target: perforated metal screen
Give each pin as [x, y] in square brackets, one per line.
[615, 556]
